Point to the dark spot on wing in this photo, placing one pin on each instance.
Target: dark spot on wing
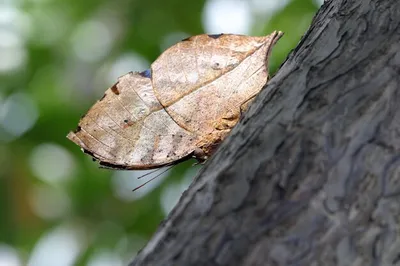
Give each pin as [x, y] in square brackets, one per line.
[215, 66]
[146, 73]
[78, 128]
[215, 36]
[127, 123]
[114, 89]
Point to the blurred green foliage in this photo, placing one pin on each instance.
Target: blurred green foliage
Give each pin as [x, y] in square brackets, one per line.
[65, 55]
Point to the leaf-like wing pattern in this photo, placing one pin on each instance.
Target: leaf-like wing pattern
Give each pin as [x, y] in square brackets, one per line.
[129, 129]
[242, 73]
[184, 105]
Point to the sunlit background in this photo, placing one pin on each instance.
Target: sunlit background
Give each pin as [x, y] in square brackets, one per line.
[57, 58]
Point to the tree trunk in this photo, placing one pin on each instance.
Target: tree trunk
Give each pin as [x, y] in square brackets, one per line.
[311, 175]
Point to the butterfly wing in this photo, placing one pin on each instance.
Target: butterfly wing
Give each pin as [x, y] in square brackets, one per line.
[203, 81]
[191, 98]
[129, 129]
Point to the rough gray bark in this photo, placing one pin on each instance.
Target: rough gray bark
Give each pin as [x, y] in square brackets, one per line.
[311, 175]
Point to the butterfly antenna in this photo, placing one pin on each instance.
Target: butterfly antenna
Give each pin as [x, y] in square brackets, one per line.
[151, 179]
[149, 173]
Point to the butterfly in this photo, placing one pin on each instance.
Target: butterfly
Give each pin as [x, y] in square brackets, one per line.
[184, 106]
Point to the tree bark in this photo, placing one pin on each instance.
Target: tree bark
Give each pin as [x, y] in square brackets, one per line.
[311, 175]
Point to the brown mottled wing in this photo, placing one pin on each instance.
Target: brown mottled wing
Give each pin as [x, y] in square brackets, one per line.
[213, 75]
[129, 129]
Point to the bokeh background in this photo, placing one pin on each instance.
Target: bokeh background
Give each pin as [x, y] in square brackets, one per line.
[57, 58]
